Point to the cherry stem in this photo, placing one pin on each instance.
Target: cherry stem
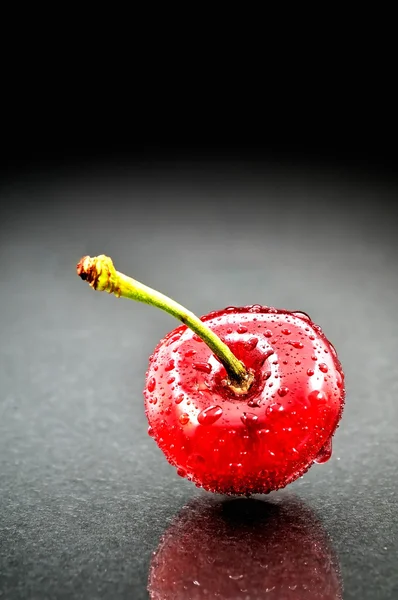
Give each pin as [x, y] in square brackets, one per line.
[101, 274]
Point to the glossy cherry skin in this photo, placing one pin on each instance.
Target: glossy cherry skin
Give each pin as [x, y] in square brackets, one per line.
[259, 441]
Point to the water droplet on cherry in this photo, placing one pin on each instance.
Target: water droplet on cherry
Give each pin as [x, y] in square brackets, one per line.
[169, 365]
[183, 418]
[310, 372]
[179, 399]
[202, 366]
[249, 419]
[323, 367]
[251, 344]
[209, 415]
[256, 308]
[297, 345]
[317, 396]
[283, 391]
[339, 379]
[325, 453]
[254, 402]
[174, 338]
[151, 384]
[302, 315]
[242, 329]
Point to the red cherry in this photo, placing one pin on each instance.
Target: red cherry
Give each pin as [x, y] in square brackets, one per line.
[245, 549]
[254, 442]
[249, 410]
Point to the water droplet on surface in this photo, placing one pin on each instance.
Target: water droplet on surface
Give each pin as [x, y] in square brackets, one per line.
[323, 368]
[249, 419]
[268, 333]
[256, 308]
[325, 453]
[310, 372]
[313, 357]
[171, 379]
[151, 384]
[254, 402]
[298, 362]
[339, 379]
[151, 431]
[302, 315]
[242, 329]
[251, 344]
[169, 365]
[297, 345]
[286, 331]
[181, 472]
[235, 577]
[174, 338]
[312, 337]
[189, 353]
[317, 396]
[283, 391]
[184, 419]
[179, 398]
[202, 366]
[333, 349]
[210, 415]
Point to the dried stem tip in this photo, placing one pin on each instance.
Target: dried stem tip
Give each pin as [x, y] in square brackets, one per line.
[99, 272]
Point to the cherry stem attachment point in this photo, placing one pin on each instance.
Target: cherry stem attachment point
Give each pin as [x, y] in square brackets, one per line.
[102, 276]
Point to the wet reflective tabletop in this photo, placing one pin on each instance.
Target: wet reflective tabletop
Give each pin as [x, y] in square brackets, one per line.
[89, 508]
[245, 549]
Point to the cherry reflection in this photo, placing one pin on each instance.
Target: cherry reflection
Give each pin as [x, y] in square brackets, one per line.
[245, 549]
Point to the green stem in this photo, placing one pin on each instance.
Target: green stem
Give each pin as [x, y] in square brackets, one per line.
[102, 276]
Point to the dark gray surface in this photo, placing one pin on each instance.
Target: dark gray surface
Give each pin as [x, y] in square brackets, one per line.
[84, 493]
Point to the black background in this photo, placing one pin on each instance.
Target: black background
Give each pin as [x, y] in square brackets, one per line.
[288, 207]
